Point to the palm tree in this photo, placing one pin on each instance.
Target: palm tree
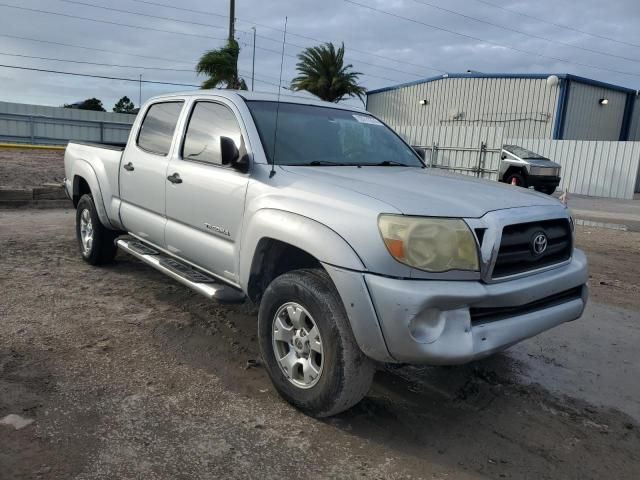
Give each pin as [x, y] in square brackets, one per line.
[323, 73]
[221, 66]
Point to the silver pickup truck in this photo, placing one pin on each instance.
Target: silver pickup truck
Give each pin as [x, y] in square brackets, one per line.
[328, 220]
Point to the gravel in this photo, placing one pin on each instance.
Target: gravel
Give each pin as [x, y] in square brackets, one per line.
[127, 374]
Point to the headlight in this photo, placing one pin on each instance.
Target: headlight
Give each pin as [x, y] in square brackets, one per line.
[430, 244]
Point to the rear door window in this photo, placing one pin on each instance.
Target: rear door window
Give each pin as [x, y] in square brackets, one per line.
[158, 127]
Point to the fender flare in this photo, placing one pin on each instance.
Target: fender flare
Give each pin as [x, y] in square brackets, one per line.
[83, 169]
[302, 232]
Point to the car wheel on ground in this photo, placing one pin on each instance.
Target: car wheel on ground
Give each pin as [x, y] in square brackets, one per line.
[516, 179]
[308, 347]
[96, 242]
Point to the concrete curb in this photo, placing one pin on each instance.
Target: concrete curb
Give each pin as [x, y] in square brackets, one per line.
[46, 196]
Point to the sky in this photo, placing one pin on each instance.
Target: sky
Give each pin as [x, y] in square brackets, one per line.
[388, 41]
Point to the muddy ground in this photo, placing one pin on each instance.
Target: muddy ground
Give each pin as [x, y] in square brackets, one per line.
[127, 374]
[30, 168]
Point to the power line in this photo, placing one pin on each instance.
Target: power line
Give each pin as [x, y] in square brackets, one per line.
[559, 25]
[509, 29]
[112, 65]
[139, 27]
[75, 74]
[148, 15]
[306, 37]
[123, 79]
[453, 32]
[95, 63]
[50, 42]
[188, 22]
[120, 24]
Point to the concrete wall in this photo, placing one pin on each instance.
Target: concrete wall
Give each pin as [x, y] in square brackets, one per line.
[586, 119]
[524, 107]
[23, 123]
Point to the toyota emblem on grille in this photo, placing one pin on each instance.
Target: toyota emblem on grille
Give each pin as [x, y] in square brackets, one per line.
[539, 243]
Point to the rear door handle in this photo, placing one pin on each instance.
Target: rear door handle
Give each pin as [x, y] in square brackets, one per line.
[129, 167]
[175, 178]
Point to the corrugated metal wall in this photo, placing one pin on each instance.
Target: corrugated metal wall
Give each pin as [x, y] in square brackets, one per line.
[524, 107]
[596, 168]
[586, 119]
[24, 123]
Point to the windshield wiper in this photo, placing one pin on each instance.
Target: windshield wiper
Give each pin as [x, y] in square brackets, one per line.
[317, 163]
[388, 163]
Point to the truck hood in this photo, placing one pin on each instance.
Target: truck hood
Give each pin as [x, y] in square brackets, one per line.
[425, 191]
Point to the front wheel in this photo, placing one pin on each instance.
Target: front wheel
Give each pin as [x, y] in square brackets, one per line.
[308, 347]
[96, 242]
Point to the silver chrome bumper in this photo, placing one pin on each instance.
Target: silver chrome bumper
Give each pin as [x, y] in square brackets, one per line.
[430, 321]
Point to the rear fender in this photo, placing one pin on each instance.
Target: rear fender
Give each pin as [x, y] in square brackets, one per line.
[83, 169]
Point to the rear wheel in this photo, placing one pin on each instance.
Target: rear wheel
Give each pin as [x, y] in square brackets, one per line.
[516, 179]
[308, 347]
[96, 242]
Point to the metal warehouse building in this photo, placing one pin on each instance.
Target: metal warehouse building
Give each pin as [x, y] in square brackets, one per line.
[542, 106]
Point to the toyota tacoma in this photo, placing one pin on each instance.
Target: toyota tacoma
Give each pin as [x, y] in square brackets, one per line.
[355, 252]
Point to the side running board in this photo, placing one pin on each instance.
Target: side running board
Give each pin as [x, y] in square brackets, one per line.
[180, 271]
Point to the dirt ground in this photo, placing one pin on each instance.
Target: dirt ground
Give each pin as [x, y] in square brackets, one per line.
[30, 168]
[127, 374]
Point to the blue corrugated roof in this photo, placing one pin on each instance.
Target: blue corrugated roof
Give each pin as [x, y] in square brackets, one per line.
[567, 76]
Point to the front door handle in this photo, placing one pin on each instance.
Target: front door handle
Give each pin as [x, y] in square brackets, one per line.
[129, 167]
[175, 178]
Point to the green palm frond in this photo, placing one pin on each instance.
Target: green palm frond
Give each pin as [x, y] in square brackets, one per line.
[322, 72]
[221, 66]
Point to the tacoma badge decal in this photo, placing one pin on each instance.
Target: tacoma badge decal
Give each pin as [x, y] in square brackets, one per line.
[217, 229]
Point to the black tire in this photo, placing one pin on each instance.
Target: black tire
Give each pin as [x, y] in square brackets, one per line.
[102, 249]
[547, 190]
[519, 180]
[346, 374]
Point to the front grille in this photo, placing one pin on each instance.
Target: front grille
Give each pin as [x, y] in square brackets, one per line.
[516, 254]
[491, 314]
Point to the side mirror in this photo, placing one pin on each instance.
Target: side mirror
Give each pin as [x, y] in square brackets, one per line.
[421, 152]
[229, 153]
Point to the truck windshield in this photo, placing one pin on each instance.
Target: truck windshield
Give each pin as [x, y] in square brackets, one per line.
[321, 136]
[523, 153]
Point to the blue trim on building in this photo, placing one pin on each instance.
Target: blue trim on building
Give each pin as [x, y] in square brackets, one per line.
[626, 118]
[561, 109]
[562, 76]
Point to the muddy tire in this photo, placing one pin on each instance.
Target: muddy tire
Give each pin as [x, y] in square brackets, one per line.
[95, 241]
[520, 181]
[308, 347]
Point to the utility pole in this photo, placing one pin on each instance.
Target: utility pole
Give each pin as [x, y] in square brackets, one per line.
[140, 93]
[253, 65]
[232, 18]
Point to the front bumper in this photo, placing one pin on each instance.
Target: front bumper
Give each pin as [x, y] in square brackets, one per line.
[430, 321]
[543, 181]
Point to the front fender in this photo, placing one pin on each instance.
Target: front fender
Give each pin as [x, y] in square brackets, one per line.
[83, 169]
[302, 232]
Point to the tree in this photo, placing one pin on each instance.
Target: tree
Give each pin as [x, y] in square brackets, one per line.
[322, 72]
[124, 105]
[221, 66]
[88, 104]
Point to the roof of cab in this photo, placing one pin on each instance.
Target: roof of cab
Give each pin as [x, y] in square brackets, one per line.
[258, 96]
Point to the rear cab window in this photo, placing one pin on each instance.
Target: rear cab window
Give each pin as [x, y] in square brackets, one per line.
[158, 127]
